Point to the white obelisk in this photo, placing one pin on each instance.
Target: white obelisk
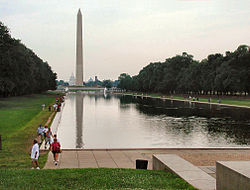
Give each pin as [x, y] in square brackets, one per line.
[79, 51]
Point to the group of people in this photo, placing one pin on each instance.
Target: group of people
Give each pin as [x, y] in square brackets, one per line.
[45, 133]
[190, 98]
[56, 106]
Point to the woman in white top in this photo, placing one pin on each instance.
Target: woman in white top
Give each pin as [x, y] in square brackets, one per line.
[35, 154]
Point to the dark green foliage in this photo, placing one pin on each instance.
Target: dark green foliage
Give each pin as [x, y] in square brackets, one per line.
[90, 179]
[107, 83]
[217, 74]
[61, 83]
[21, 70]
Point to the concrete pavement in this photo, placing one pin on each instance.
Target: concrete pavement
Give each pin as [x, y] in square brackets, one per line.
[125, 158]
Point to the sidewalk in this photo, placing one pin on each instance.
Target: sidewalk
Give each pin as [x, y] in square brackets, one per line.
[127, 158]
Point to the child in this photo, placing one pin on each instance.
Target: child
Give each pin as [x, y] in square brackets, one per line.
[35, 154]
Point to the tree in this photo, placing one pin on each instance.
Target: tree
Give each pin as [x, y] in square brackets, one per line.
[181, 74]
[107, 83]
[125, 81]
[22, 71]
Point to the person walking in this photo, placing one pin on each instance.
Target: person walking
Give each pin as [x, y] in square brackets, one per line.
[48, 137]
[55, 137]
[54, 107]
[43, 106]
[40, 134]
[49, 108]
[45, 130]
[55, 149]
[35, 155]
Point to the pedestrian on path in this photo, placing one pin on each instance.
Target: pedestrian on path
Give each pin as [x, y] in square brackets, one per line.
[35, 155]
[43, 106]
[45, 130]
[40, 134]
[55, 137]
[55, 148]
[54, 107]
[48, 137]
[49, 107]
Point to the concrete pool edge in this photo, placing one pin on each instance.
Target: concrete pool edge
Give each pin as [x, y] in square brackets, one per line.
[218, 104]
[127, 149]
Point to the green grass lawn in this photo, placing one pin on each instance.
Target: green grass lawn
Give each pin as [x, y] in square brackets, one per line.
[229, 101]
[90, 179]
[236, 102]
[19, 119]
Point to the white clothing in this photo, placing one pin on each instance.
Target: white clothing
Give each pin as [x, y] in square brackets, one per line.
[35, 148]
[45, 130]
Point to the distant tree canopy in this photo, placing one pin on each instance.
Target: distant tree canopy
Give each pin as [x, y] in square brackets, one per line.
[217, 74]
[21, 70]
[107, 83]
[61, 83]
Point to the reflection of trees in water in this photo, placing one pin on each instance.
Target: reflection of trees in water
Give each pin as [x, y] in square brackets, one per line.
[79, 120]
[126, 99]
[99, 96]
[237, 131]
[125, 102]
[186, 109]
[233, 123]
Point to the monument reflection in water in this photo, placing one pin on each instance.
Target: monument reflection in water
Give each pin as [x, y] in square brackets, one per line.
[79, 123]
[70, 130]
[98, 121]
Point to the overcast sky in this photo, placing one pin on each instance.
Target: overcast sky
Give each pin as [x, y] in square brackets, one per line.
[126, 35]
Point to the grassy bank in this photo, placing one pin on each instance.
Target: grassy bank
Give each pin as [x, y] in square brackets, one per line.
[90, 179]
[224, 100]
[19, 119]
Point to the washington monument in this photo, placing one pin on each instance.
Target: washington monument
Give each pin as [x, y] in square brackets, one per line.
[79, 51]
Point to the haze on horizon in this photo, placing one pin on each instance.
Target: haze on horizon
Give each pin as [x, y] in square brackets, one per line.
[124, 36]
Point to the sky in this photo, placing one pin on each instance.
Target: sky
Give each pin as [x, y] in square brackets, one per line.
[123, 36]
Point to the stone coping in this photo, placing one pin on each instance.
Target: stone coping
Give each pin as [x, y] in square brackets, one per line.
[233, 175]
[211, 103]
[121, 149]
[185, 170]
[241, 167]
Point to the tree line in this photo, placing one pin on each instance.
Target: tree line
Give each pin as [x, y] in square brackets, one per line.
[21, 70]
[217, 74]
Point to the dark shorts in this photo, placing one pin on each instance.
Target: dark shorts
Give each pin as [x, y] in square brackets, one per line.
[55, 152]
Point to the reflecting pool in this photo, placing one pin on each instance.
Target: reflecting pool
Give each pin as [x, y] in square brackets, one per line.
[117, 121]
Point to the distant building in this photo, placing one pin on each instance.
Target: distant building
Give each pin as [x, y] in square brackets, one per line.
[90, 80]
[72, 80]
[96, 79]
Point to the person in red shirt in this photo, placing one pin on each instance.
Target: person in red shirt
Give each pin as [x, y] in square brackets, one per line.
[55, 148]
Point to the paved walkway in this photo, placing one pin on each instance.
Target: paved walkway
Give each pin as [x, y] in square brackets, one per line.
[126, 158]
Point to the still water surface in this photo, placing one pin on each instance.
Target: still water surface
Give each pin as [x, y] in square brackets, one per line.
[116, 121]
